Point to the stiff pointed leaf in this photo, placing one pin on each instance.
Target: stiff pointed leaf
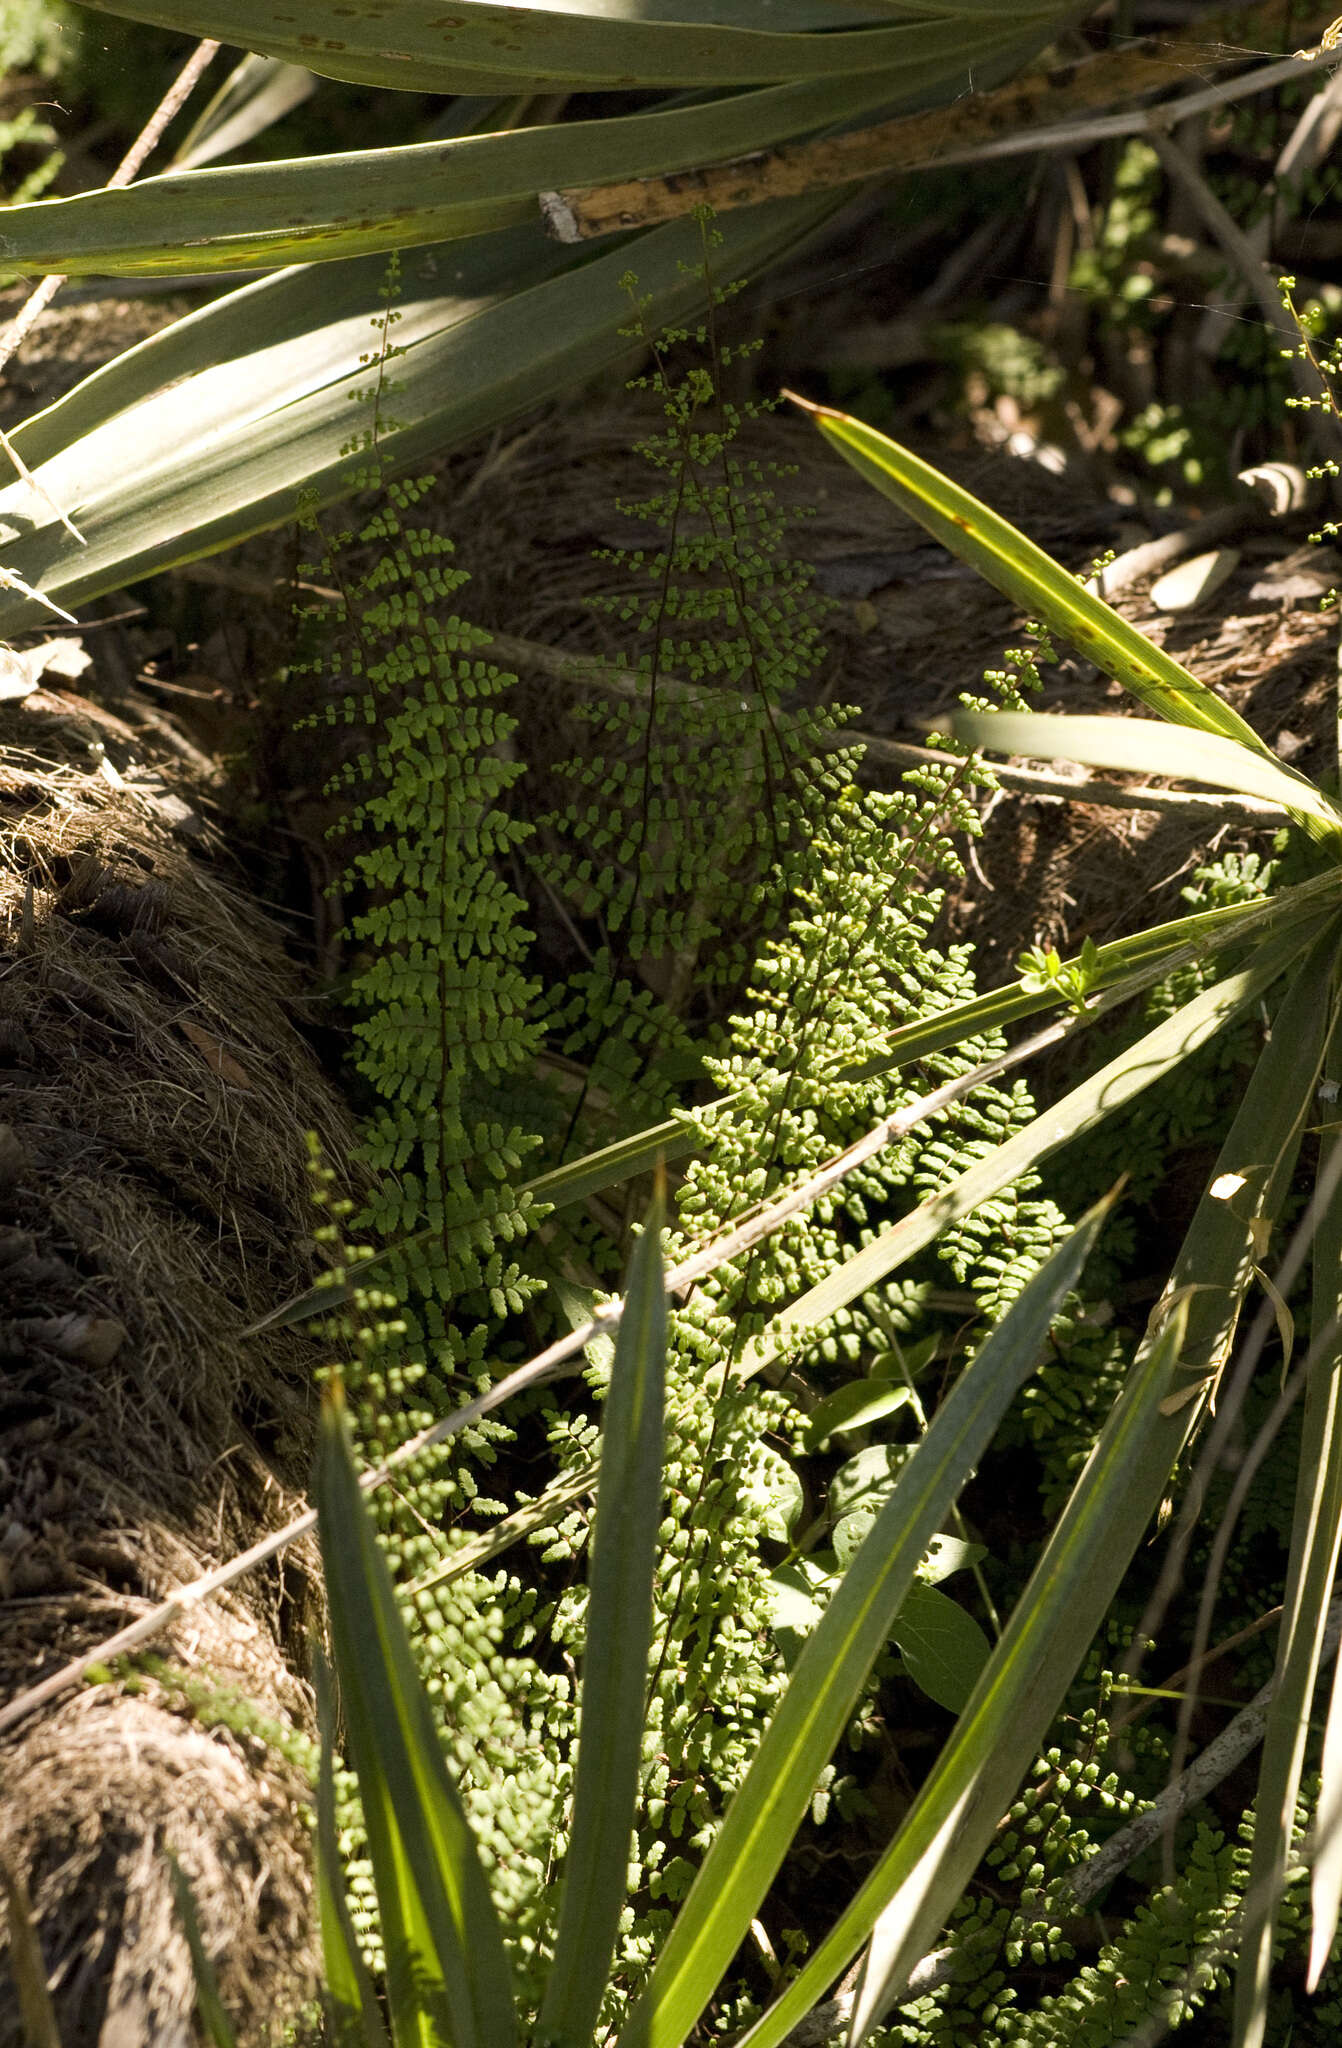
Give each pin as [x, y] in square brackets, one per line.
[904, 1902]
[501, 46]
[447, 1970]
[1119, 1490]
[347, 1988]
[1160, 1052]
[560, 1188]
[209, 431]
[1151, 749]
[1124, 966]
[615, 1661]
[27, 1969]
[257, 92]
[358, 202]
[836, 1658]
[1032, 579]
[1325, 1896]
[1316, 1532]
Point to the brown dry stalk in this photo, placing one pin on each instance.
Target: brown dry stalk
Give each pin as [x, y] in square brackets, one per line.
[918, 141]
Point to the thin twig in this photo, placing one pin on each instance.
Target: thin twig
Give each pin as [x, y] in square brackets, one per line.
[1182, 171]
[1210, 1768]
[564, 1355]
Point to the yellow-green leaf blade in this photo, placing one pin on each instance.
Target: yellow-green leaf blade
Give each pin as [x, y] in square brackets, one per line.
[1316, 1534]
[956, 1811]
[1127, 1075]
[1024, 573]
[347, 1988]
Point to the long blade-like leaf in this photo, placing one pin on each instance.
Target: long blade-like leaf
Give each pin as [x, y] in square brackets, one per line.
[447, 1970]
[208, 431]
[352, 203]
[837, 1657]
[1142, 745]
[347, 1988]
[1325, 1894]
[1123, 965]
[26, 1966]
[615, 1662]
[1126, 1076]
[905, 1899]
[209, 2005]
[258, 92]
[496, 46]
[1023, 572]
[1316, 1534]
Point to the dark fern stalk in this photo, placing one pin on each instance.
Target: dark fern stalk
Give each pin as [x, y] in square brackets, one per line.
[684, 808]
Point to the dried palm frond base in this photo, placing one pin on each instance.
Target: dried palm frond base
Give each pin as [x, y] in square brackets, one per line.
[153, 1201]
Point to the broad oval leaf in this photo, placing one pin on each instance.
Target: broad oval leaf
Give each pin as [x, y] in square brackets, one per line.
[854, 1406]
[943, 1648]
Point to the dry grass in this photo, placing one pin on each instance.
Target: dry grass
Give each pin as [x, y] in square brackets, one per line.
[152, 1197]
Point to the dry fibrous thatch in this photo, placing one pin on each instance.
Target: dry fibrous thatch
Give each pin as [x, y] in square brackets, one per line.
[153, 1201]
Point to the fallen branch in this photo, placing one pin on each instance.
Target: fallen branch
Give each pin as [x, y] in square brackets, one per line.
[1006, 122]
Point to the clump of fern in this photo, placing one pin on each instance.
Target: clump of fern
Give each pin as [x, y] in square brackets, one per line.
[718, 850]
[689, 802]
[444, 1007]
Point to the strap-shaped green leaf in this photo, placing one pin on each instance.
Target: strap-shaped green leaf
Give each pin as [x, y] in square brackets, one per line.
[209, 2005]
[209, 431]
[615, 1662]
[1163, 1049]
[495, 46]
[1032, 579]
[1124, 966]
[325, 208]
[347, 1989]
[448, 1979]
[1148, 748]
[1316, 1534]
[904, 1901]
[763, 1817]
